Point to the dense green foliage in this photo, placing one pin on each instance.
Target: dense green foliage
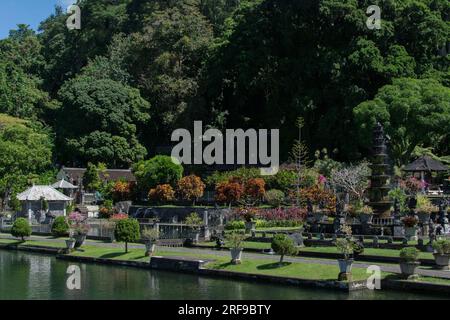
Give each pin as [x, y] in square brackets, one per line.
[113, 91]
[25, 155]
[60, 227]
[157, 171]
[21, 228]
[283, 245]
[127, 230]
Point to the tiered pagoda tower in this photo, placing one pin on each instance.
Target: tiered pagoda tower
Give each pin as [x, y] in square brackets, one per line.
[379, 188]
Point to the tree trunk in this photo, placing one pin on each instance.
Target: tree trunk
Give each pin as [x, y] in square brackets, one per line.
[126, 247]
[281, 260]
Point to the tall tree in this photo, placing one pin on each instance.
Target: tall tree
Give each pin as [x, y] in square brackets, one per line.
[414, 113]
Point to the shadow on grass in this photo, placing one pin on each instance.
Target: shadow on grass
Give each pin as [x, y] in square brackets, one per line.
[274, 265]
[15, 244]
[113, 255]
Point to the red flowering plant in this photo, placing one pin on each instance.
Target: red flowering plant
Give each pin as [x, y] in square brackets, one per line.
[317, 196]
[119, 216]
[410, 221]
[77, 223]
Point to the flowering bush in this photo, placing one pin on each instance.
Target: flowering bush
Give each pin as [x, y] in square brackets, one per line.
[317, 196]
[78, 225]
[246, 213]
[121, 190]
[411, 185]
[162, 192]
[283, 214]
[119, 216]
[229, 192]
[105, 213]
[255, 188]
[190, 188]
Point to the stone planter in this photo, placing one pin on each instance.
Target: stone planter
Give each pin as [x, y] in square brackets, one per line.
[411, 233]
[150, 247]
[236, 254]
[70, 244]
[250, 226]
[345, 269]
[79, 240]
[408, 269]
[442, 260]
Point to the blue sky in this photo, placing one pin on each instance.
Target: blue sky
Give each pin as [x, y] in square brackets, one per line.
[32, 12]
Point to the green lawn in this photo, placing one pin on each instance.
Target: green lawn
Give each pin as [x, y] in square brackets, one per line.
[308, 271]
[132, 255]
[269, 267]
[34, 243]
[330, 249]
[367, 251]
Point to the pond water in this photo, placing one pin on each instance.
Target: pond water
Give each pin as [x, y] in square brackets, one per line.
[33, 276]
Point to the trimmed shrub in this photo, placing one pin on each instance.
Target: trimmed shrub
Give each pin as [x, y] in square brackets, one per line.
[60, 227]
[127, 230]
[274, 197]
[283, 245]
[235, 225]
[21, 229]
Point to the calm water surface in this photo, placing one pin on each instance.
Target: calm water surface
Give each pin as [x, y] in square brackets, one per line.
[32, 276]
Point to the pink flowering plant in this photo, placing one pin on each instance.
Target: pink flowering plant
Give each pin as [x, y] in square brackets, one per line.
[119, 216]
[78, 225]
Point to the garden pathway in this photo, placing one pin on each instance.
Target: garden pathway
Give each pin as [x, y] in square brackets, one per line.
[392, 268]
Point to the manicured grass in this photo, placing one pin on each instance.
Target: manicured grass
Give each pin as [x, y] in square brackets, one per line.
[115, 253]
[434, 280]
[308, 271]
[245, 244]
[367, 251]
[268, 267]
[34, 243]
[330, 249]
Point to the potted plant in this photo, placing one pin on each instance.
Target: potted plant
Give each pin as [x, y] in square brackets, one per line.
[410, 224]
[365, 214]
[248, 214]
[79, 228]
[195, 222]
[442, 253]
[409, 262]
[424, 208]
[70, 243]
[235, 243]
[150, 235]
[345, 246]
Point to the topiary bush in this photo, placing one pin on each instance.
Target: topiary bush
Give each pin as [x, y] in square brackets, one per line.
[21, 229]
[283, 245]
[60, 227]
[127, 230]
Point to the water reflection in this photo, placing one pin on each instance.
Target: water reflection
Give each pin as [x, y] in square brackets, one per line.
[30, 276]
